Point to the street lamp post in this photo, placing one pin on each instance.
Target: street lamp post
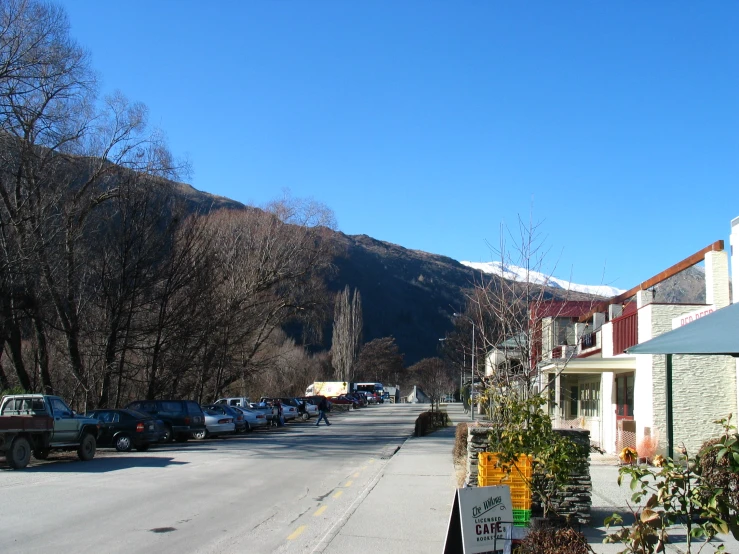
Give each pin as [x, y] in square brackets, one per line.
[472, 369]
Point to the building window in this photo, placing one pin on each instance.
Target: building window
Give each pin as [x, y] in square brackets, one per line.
[625, 396]
[590, 399]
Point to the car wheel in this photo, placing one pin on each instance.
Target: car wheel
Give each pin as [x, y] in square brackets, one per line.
[41, 453]
[168, 436]
[199, 435]
[143, 447]
[123, 443]
[20, 453]
[86, 450]
[247, 429]
[305, 416]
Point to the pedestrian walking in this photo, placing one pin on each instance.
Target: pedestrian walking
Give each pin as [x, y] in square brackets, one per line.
[322, 409]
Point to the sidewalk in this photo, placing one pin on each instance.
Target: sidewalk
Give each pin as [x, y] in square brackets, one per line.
[408, 509]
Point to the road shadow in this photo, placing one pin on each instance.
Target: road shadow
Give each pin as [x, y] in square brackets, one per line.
[96, 465]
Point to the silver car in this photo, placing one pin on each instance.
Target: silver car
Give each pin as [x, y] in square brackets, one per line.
[254, 419]
[215, 425]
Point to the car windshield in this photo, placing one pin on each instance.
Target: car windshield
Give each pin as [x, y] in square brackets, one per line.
[211, 412]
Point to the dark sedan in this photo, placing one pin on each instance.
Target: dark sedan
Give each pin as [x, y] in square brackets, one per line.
[126, 429]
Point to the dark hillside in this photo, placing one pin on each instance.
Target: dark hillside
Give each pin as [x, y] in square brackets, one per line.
[408, 294]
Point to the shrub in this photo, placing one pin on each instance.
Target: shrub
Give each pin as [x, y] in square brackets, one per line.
[428, 421]
[549, 540]
[460, 442]
[719, 474]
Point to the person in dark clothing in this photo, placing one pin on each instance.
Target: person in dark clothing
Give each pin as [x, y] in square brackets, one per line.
[322, 409]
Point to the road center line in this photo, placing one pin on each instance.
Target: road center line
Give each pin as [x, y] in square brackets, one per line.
[297, 533]
[319, 511]
[338, 494]
[348, 483]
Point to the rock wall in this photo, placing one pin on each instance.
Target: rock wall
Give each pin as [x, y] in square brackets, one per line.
[574, 500]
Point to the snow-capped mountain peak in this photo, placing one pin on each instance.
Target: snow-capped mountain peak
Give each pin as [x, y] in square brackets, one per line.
[520, 274]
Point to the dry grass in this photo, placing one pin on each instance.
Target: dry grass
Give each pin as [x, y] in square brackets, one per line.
[459, 453]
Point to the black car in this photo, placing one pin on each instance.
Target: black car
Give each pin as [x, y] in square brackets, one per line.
[181, 417]
[125, 429]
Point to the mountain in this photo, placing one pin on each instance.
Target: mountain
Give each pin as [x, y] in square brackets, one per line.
[412, 295]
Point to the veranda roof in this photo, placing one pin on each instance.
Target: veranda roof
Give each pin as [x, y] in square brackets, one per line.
[716, 333]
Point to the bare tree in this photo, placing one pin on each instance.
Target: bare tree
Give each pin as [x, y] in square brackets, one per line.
[380, 360]
[347, 333]
[434, 376]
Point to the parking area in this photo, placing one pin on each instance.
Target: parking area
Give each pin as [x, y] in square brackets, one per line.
[238, 493]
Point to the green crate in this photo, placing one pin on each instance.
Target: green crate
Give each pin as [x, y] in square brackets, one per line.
[521, 518]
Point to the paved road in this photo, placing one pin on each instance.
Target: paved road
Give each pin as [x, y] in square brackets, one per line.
[287, 490]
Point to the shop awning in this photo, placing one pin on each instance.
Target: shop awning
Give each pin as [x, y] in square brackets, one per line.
[716, 333]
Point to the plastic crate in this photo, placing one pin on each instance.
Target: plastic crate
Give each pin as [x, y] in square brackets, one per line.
[521, 518]
[520, 499]
[487, 467]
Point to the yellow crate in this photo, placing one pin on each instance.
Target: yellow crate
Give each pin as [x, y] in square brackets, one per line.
[487, 467]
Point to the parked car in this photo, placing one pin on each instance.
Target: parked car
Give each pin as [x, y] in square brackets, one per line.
[254, 419]
[316, 400]
[306, 409]
[289, 412]
[358, 398]
[181, 418]
[216, 425]
[343, 400]
[126, 429]
[245, 402]
[230, 411]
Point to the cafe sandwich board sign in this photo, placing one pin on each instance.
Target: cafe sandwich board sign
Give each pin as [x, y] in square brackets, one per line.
[481, 521]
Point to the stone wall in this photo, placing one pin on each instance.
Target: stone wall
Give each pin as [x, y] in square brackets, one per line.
[574, 500]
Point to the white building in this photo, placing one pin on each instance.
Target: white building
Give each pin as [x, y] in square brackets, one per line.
[622, 399]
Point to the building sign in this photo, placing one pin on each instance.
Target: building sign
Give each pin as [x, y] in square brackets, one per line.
[481, 521]
[692, 316]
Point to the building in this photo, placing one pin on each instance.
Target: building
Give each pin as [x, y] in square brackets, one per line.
[579, 352]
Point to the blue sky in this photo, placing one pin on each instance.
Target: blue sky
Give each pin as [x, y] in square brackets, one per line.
[430, 124]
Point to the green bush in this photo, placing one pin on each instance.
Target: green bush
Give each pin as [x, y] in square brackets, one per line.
[719, 474]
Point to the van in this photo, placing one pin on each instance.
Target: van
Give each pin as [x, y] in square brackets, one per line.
[181, 418]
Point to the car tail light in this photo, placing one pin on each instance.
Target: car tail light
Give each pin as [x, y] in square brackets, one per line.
[226, 420]
[187, 421]
[139, 427]
[261, 417]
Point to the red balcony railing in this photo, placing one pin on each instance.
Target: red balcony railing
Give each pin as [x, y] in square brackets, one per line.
[625, 332]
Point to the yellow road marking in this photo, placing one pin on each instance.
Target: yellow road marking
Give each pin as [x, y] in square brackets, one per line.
[338, 494]
[356, 474]
[319, 511]
[348, 483]
[363, 467]
[372, 460]
[296, 533]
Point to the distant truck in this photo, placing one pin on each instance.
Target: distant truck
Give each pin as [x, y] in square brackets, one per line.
[38, 424]
[328, 388]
